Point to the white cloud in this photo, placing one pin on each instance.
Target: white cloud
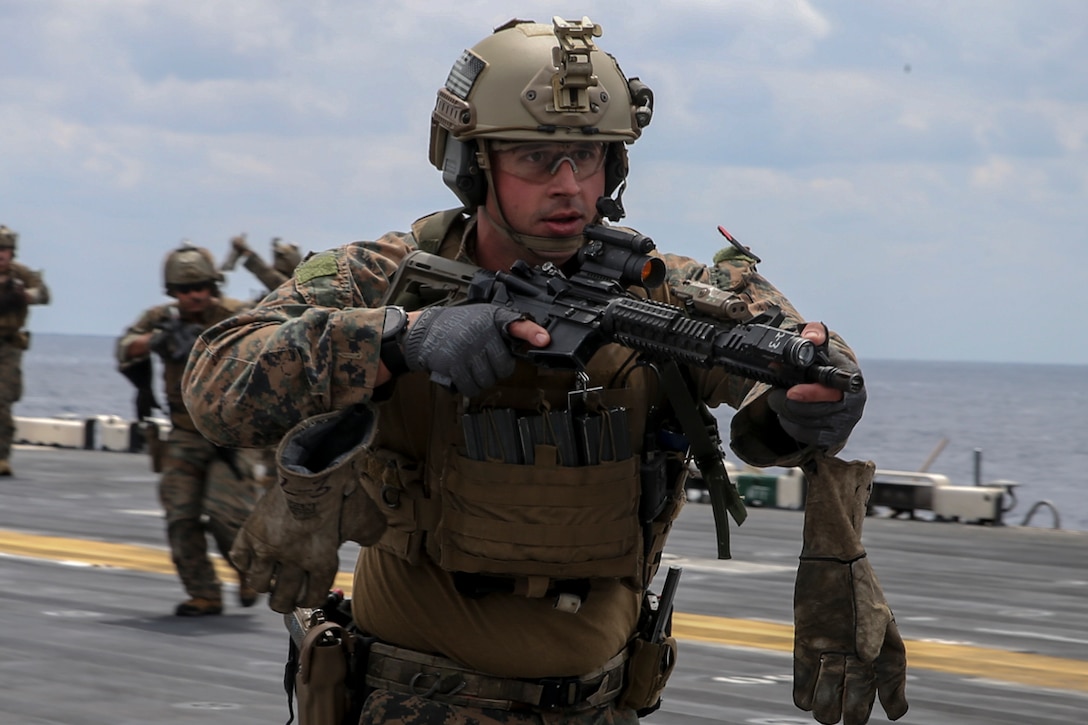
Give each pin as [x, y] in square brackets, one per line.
[994, 173]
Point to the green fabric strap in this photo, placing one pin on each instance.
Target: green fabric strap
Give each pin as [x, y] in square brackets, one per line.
[695, 420]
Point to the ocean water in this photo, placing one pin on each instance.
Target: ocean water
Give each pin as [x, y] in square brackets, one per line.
[1022, 423]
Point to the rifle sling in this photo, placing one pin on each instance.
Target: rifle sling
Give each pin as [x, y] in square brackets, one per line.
[725, 500]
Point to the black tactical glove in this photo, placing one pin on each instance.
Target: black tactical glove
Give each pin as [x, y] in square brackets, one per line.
[161, 343]
[463, 347]
[824, 425]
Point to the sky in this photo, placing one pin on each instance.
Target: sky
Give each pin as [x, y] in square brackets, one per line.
[913, 173]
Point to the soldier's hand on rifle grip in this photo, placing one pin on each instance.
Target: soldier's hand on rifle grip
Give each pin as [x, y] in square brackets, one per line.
[465, 347]
[815, 414]
[530, 332]
[160, 343]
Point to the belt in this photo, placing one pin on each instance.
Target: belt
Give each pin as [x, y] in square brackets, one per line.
[415, 673]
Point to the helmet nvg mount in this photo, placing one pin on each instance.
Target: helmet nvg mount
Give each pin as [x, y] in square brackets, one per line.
[190, 265]
[534, 82]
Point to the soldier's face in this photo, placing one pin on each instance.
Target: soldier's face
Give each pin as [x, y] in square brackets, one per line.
[557, 203]
[193, 298]
[6, 255]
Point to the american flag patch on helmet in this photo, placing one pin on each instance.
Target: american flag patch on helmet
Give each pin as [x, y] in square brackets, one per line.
[464, 73]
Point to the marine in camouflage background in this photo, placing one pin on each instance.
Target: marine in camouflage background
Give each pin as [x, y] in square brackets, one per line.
[285, 257]
[204, 488]
[20, 287]
[11, 392]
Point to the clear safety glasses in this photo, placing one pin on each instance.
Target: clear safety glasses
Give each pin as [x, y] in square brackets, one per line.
[537, 162]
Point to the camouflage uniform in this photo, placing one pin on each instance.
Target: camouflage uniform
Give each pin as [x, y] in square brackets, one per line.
[313, 346]
[285, 257]
[204, 488]
[269, 276]
[392, 708]
[20, 287]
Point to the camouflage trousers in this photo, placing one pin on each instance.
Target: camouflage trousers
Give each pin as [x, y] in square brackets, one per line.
[388, 707]
[11, 391]
[204, 490]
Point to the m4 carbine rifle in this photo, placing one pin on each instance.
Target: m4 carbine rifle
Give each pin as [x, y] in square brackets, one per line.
[593, 307]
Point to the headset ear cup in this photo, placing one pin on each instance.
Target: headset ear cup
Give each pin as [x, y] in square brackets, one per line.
[615, 167]
[473, 186]
[461, 172]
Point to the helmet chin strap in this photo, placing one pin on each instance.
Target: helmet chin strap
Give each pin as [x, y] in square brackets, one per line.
[541, 245]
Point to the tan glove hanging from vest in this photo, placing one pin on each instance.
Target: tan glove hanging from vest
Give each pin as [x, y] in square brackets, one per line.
[847, 649]
[289, 546]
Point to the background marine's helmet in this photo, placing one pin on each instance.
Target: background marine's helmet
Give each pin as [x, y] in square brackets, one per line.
[8, 238]
[534, 82]
[190, 265]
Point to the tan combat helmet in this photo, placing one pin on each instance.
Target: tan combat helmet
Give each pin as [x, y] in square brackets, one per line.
[8, 238]
[190, 265]
[534, 82]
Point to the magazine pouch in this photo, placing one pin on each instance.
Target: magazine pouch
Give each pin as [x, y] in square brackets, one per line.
[649, 665]
[321, 678]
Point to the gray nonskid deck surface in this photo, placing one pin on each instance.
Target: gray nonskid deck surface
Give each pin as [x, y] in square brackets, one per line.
[90, 645]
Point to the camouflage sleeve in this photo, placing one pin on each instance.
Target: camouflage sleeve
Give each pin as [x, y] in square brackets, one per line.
[755, 435]
[260, 269]
[310, 347]
[37, 293]
[145, 324]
